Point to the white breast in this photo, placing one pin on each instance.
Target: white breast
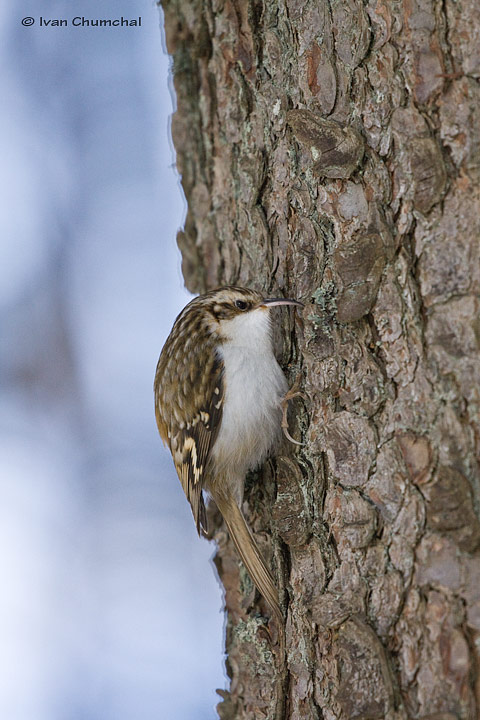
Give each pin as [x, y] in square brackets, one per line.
[254, 388]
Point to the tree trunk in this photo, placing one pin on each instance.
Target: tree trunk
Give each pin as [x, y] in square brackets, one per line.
[330, 152]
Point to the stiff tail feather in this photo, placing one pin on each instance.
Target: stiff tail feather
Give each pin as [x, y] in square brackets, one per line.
[250, 554]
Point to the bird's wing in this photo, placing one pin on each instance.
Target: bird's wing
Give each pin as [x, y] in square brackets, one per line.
[192, 425]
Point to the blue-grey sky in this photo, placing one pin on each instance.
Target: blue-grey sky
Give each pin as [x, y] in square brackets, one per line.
[110, 609]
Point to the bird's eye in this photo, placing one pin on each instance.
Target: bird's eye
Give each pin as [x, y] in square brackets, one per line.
[241, 304]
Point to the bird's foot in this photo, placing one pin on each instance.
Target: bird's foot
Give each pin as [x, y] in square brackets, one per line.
[291, 394]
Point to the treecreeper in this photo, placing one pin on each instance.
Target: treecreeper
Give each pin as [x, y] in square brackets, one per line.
[219, 393]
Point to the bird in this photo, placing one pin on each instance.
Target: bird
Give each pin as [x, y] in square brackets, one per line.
[218, 405]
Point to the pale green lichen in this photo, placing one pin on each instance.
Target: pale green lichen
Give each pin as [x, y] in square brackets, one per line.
[247, 631]
[324, 296]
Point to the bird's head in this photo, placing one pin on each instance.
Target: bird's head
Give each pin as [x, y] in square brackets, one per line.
[240, 314]
[227, 314]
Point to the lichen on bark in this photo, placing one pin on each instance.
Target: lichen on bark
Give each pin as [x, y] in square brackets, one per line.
[331, 151]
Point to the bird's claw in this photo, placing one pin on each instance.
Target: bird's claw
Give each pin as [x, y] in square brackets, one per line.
[292, 393]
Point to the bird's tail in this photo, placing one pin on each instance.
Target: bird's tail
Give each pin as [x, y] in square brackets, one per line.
[250, 554]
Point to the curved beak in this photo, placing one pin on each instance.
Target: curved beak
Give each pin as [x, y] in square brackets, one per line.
[281, 301]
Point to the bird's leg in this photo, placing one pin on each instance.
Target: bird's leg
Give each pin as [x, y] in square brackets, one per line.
[292, 393]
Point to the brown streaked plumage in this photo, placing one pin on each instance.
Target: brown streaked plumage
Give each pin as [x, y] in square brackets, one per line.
[218, 390]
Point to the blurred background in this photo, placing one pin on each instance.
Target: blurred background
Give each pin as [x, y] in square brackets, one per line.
[109, 608]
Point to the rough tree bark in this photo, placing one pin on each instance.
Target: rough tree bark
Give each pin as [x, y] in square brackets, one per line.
[330, 151]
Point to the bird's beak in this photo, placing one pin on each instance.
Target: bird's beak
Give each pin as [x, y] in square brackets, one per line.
[281, 301]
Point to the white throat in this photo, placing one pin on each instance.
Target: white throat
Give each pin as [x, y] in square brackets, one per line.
[250, 330]
[254, 388]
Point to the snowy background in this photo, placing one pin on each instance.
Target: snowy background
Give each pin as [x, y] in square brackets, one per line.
[110, 609]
